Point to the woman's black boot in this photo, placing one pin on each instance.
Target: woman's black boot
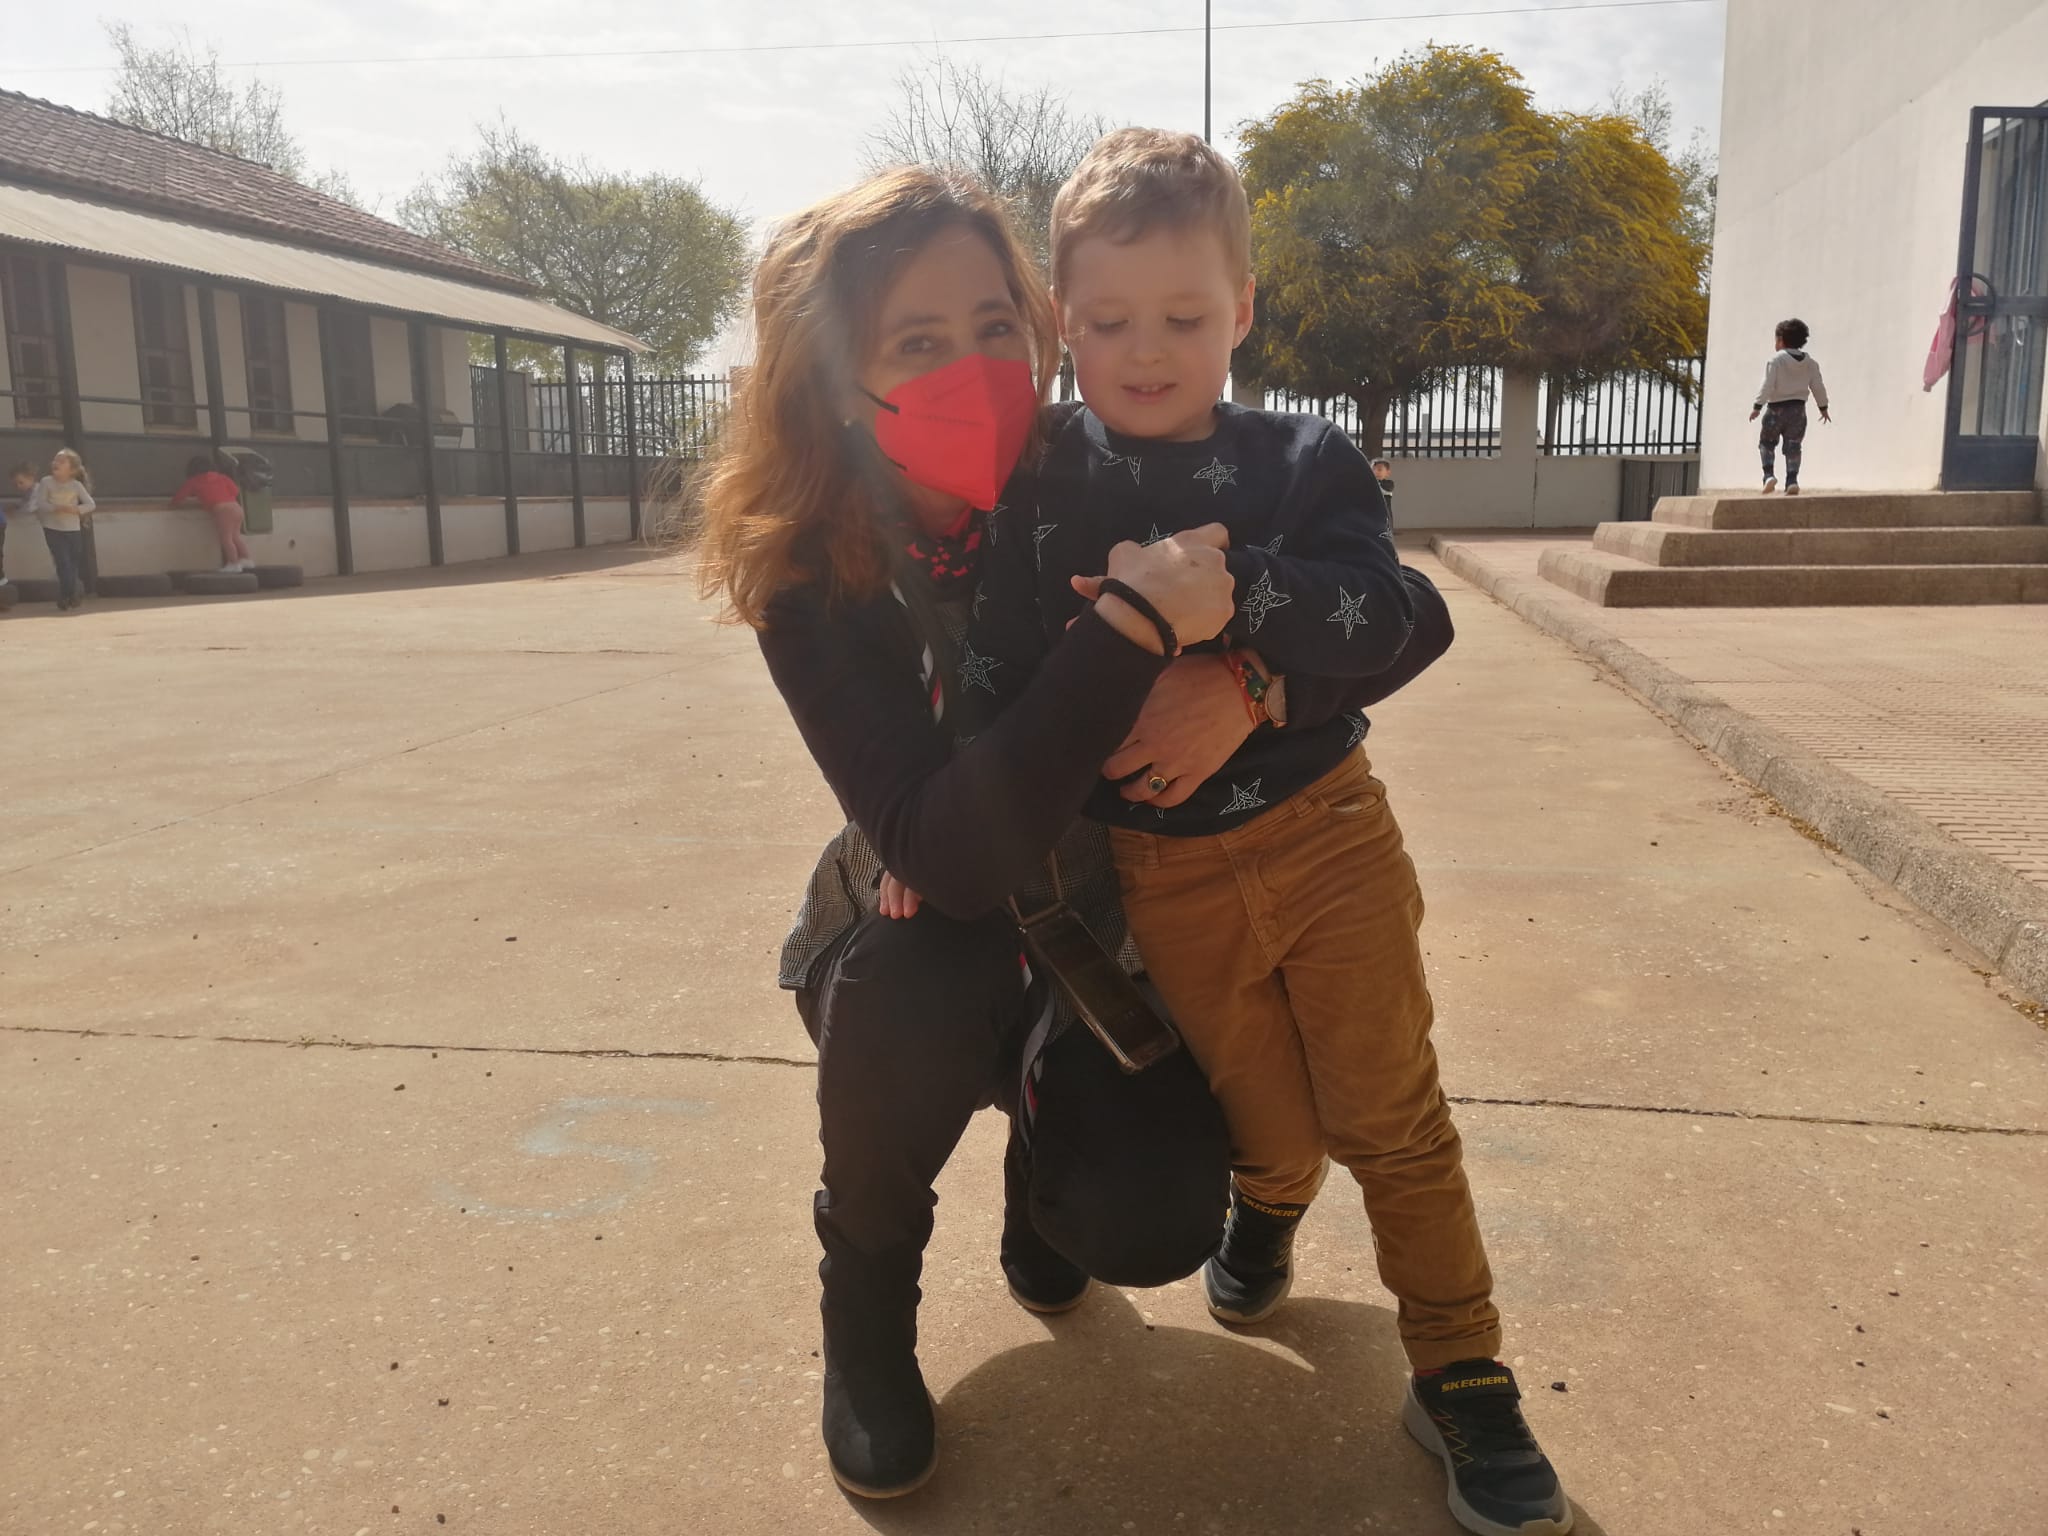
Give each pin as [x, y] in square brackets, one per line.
[878, 1425]
[1253, 1272]
[1041, 1278]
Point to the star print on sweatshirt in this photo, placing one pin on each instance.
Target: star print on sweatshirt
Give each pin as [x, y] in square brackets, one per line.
[1319, 590]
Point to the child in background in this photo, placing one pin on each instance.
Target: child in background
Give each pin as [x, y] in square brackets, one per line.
[1789, 377]
[1275, 907]
[222, 499]
[1383, 471]
[61, 500]
[22, 478]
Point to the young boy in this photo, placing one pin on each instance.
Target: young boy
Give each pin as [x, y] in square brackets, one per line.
[22, 478]
[1789, 377]
[1274, 905]
[1383, 471]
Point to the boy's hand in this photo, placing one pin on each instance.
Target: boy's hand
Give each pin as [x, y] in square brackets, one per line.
[1183, 576]
[1824, 416]
[898, 899]
[1755, 411]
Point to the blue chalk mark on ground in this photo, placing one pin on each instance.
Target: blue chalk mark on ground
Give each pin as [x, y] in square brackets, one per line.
[558, 1135]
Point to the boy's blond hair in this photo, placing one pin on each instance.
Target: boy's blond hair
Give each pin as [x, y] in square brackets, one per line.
[1136, 180]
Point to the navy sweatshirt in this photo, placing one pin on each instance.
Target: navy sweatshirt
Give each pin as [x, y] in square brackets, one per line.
[1320, 588]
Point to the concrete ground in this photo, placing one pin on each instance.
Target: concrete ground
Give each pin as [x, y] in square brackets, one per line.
[1943, 709]
[400, 1130]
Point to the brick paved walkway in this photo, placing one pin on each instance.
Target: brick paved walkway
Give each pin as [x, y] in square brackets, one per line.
[1943, 709]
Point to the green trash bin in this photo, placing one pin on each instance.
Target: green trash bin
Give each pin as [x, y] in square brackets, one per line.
[253, 473]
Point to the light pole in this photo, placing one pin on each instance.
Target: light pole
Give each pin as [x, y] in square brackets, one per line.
[1205, 70]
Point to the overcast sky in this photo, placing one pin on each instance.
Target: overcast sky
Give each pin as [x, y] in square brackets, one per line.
[766, 131]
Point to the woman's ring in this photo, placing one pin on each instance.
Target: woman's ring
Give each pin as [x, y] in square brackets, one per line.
[1157, 784]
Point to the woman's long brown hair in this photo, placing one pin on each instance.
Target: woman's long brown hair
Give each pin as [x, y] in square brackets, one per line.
[790, 495]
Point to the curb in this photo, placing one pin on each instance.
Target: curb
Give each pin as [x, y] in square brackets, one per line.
[1985, 904]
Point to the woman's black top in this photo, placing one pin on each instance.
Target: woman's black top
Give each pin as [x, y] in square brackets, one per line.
[965, 825]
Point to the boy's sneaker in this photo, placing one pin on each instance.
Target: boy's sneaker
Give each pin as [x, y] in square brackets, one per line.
[248, 565]
[1501, 1483]
[1792, 489]
[1254, 1270]
[1770, 484]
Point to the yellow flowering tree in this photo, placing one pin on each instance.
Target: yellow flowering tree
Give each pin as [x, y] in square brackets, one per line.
[1429, 217]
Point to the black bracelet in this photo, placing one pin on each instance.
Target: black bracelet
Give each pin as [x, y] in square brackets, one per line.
[1111, 587]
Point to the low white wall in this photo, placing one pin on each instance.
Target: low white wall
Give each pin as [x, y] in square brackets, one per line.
[607, 522]
[388, 536]
[1574, 492]
[547, 525]
[1562, 492]
[472, 530]
[136, 539]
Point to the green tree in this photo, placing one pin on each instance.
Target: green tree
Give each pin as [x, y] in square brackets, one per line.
[1380, 221]
[1022, 145]
[178, 90]
[1430, 217]
[1602, 244]
[650, 255]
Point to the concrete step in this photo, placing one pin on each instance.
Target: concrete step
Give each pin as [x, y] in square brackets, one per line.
[1847, 509]
[1614, 581]
[1664, 544]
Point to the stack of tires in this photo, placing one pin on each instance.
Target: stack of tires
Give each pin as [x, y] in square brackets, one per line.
[229, 583]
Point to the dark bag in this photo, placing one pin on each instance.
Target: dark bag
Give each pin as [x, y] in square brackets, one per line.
[1130, 1168]
[1130, 1171]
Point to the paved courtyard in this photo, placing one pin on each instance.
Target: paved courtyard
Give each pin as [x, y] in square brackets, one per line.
[400, 1130]
[1943, 709]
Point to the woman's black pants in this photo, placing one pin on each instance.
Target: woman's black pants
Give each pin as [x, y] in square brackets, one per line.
[918, 1023]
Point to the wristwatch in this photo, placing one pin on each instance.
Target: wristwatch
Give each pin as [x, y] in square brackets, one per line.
[1276, 700]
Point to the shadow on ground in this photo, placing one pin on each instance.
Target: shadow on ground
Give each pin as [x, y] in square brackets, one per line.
[1113, 1425]
[548, 565]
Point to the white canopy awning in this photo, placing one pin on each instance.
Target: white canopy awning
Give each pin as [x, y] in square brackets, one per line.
[101, 230]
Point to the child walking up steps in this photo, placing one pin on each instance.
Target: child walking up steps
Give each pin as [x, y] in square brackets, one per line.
[1789, 377]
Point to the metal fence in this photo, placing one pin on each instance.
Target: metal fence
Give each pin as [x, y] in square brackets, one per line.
[1628, 414]
[1455, 416]
[673, 418]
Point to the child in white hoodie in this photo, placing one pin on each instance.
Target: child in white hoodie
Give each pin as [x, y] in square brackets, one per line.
[1789, 377]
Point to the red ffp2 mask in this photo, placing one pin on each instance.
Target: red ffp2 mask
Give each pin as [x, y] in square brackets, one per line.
[960, 429]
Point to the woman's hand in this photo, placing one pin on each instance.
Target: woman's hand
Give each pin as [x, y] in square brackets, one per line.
[1182, 576]
[1192, 721]
[898, 899]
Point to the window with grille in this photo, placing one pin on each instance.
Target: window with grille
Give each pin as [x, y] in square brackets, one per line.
[163, 354]
[31, 319]
[355, 380]
[270, 375]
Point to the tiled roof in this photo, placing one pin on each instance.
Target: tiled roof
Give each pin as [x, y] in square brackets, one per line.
[63, 149]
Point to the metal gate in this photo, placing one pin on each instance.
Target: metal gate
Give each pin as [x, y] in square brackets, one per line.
[1993, 436]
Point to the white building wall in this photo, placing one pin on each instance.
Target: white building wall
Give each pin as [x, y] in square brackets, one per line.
[302, 343]
[6, 377]
[234, 365]
[103, 326]
[390, 361]
[1843, 129]
[450, 350]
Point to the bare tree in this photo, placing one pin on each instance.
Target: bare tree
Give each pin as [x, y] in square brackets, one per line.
[650, 254]
[1021, 144]
[1698, 167]
[178, 90]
